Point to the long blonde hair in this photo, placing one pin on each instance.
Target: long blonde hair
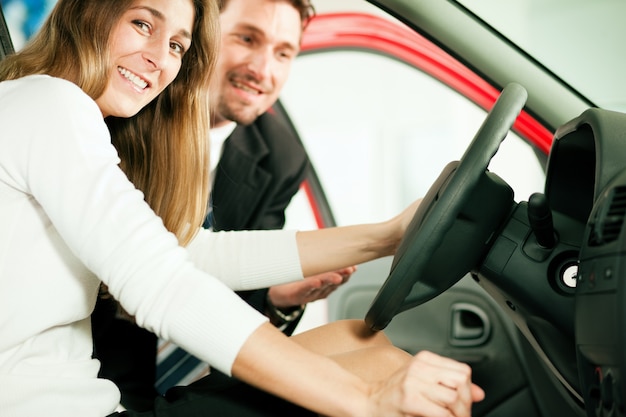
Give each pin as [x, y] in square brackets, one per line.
[164, 148]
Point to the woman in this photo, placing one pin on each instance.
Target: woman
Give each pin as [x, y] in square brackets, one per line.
[128, 78]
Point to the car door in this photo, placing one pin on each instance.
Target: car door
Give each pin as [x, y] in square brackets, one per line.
[381, 110]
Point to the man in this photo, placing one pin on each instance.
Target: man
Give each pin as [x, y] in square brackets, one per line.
[260, 165]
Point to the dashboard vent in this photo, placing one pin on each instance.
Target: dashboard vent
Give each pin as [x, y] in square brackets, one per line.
[607, 223]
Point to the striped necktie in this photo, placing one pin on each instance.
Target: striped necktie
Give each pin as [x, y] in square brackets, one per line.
[175, 366]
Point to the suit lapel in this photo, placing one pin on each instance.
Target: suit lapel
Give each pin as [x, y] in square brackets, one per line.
[240, 181]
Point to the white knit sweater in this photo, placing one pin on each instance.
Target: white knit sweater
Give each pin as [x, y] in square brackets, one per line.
[69, 218]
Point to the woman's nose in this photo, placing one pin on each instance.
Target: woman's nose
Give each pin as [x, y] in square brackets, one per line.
[157, 52]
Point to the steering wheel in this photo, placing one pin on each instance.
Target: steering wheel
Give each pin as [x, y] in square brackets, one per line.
[455, 222]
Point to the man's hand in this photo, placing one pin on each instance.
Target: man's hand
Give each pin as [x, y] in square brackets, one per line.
[310, 289]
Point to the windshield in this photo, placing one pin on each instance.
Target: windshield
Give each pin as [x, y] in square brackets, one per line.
[578, 40]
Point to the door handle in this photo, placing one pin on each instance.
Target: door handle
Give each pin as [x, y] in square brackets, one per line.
[470, 325]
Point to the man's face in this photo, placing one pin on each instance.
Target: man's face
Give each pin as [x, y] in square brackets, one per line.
[260, 39]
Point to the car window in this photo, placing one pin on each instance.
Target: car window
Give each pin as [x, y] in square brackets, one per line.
[24, 18]
[379, 132]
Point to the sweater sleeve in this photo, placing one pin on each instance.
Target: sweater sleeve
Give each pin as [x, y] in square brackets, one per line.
[255, 259]
[68, 164]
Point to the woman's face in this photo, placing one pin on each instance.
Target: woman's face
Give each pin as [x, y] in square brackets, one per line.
[147, 47]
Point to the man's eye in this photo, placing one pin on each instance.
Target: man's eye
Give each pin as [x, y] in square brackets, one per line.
[245, 38]
[284, 55]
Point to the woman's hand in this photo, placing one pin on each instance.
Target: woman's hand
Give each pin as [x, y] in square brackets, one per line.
[407, 215]
[334, 248]
[400, 223]
[430, 386]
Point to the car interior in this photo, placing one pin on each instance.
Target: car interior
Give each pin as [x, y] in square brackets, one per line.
[551, 262]
[548, 338]
[529, 257]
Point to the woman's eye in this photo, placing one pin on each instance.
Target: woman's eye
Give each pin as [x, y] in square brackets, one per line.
[143, 26]
[178, 48]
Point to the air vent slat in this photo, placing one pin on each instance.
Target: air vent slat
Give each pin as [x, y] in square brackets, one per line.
[607, 224]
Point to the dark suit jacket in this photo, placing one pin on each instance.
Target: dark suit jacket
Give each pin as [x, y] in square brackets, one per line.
[262, 167]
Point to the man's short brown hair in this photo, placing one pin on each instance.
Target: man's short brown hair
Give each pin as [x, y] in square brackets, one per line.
[304, 7]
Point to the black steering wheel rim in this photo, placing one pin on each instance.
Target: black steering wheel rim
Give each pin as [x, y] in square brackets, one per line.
[439, 211]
